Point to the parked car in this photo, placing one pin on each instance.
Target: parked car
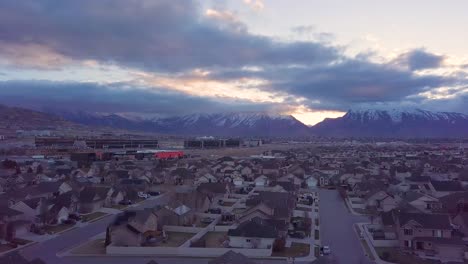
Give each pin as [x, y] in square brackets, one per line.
[74, 217]
[326, 250]
[207, 220]
[125, 202]
[214, 211]
[297, 234]
[69, 222]
[154, 193]
[361, 234]
[143, 195]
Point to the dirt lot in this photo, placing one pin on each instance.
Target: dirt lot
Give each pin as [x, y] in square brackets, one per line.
[242, 152]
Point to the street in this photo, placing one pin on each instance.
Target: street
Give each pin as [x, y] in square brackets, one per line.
[337, 230]
[47, 250]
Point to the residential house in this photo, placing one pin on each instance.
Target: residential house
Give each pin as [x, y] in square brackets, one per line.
[443, 188]
[461, 223]
[8, 221]
[175, 213]
[254, 233]
[262, 181]
[311, 181]
[215, 191]
[381, 201]
[91, 199]
[429, 236]
[422, 202]
[133, 228]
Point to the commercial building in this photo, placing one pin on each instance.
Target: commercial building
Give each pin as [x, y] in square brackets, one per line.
[202, 143]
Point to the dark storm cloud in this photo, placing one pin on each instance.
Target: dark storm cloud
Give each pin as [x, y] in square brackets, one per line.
[112, 98]
[340, 85]
[163, 35]
[420, 59]
[174, 37]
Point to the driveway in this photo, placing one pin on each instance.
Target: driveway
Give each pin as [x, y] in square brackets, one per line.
[337, 230]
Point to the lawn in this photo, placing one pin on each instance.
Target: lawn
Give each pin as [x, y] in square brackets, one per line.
[392, 254]
[91, 247]
[57, 228]
[92, 216]
[214, 239]
[296, 250]
[119, 207]
[5, 247]
[21, 241]
[176, 239]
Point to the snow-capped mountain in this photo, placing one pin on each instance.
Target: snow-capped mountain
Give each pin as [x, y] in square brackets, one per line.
[218, 124]
[409, 123]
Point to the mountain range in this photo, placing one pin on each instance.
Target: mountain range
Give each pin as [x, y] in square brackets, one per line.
[395, 123]
[218, 124]
[378, 123]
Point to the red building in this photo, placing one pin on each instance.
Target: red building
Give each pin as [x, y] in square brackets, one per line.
[169, 154]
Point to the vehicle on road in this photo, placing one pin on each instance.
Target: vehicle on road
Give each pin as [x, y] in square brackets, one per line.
[154, 193]
[125, 202]
[143, 195]
[326, 250]
[297, 234]
[214, 211]
[207, 220]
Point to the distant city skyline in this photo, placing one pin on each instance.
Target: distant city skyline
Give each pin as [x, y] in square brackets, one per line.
[311, 59]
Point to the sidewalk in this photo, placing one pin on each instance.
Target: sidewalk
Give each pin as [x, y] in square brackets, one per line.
[371, 247]
[312, 241]
[350, 208]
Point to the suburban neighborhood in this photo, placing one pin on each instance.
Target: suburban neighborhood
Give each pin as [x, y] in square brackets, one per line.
[400, 203]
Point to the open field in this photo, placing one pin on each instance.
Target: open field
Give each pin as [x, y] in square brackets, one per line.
[242, 151]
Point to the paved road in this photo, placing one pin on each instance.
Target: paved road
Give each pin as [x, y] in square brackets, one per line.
[47, 250]
[337, 230]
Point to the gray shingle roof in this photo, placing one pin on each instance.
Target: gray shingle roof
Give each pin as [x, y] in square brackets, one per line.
[431, 221]
[256, 227]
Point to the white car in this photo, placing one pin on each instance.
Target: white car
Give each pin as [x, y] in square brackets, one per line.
[143, 195]
[326, 250]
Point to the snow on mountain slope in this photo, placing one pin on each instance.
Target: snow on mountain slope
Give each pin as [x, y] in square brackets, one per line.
[397, 115]
[222, 124]
[395, 123]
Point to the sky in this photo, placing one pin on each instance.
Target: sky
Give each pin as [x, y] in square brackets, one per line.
[308, 58]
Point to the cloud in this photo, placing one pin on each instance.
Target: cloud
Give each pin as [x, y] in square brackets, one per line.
[176, 39]
[420, 59]
[304, 29]
[227, 18]
[117, 97]
[256, 5]
[162, 35]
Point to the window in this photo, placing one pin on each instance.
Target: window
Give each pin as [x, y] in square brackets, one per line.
[247, 240]
[437, 233]
[408, 232]
[407, 243]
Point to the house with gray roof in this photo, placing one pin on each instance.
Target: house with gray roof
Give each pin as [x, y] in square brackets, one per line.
[254, 233]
